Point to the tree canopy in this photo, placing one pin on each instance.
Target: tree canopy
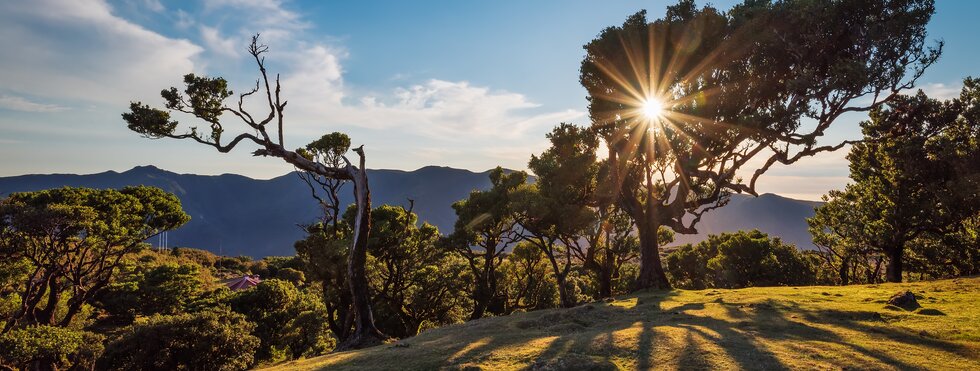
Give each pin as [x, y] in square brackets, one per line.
[727, 88]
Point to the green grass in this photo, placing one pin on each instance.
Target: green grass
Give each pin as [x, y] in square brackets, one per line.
[756, 328]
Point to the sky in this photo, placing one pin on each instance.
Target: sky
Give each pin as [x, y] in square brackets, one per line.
[465, 84]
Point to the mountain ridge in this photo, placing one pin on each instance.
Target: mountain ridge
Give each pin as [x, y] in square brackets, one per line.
[238, 215]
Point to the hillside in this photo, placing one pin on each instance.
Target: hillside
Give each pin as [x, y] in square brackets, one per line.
[755, 328]
[236, 215]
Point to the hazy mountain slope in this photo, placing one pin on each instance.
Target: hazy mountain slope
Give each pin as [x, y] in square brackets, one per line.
[239, 215]
[773, 214]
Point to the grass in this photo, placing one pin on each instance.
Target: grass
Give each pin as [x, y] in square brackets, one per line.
[756, 328]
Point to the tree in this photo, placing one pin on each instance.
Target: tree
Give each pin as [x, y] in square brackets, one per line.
[417, 285]
[689, 102]
[483, 232]
[204, 98]
[75, 239]
[168, 288]
[288, 322]
[49, 348]
[555, 212]
[324, 253]
[210, 340]
[915, 174]
[525, 280]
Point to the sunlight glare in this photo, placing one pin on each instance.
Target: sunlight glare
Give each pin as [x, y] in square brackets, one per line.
[653, 108]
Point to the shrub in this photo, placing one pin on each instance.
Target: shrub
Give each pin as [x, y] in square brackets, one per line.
[741, 259]
[49, 347]
[213, 340]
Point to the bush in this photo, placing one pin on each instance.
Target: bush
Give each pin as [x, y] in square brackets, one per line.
[741, 259]
[203, 257]
[49, 347]
[167, 289]
[214, 340]
[289, 323]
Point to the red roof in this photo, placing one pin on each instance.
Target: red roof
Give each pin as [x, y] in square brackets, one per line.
[243, 282]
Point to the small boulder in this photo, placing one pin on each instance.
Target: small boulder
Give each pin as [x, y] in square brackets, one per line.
[905, 300]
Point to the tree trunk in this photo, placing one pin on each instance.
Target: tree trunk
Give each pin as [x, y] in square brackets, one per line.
[893, 272]
[652, 273]
[365, 333]
[605, 282]
[480, 299]
[566, 299]
[844, 266]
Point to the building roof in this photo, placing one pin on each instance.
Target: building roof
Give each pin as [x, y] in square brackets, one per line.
[243, 282]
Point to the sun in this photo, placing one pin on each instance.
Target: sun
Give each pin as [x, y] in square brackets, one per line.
[653, 108]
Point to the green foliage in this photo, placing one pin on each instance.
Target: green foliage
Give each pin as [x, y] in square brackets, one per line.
[328, 149]
[211, 340]
[736, 84]
[289, 323]
[75, 238]
[417, 284]
[555, 212]
[49, 346]
[149, 122]
[167, 289]
[323, 255]
[484, 229]
[527, 281]
[742, 259]
[203, 258]
[914, 183]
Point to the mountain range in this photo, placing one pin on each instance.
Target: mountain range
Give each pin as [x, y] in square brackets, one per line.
[236, 215]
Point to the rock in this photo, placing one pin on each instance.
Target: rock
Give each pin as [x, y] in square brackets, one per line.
[905, 300]
[930, 312]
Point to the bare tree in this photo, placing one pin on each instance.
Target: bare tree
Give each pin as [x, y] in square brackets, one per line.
[204, 99]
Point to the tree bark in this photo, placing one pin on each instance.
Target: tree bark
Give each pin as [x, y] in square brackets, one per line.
[893, 272]
[652, 273]
[365, 333]
[844, 267]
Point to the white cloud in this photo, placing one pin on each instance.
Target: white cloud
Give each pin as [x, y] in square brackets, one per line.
[216, 43]
[20, 104]
[93, 57]
[942, 91]
[267, 17]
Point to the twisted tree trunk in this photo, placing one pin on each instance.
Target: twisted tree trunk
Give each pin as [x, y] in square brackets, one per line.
[365, 333]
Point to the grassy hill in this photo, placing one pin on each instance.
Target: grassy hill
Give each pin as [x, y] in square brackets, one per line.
[755, 328]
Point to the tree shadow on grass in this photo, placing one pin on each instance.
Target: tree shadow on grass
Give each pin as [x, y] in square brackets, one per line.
[585, 337]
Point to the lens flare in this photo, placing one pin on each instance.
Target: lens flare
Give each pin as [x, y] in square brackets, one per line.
[653, 108]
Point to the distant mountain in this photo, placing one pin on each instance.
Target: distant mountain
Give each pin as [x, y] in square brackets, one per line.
[237, 215]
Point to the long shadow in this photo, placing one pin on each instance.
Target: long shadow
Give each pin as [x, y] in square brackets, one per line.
[574, 330]
[856, 320]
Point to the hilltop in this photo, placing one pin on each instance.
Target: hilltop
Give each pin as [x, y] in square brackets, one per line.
[236, 215]
[756, 328]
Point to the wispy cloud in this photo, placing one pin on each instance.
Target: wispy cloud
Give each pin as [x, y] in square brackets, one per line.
[217, 44]
[20, 104]
[97, 57]
[942, 91]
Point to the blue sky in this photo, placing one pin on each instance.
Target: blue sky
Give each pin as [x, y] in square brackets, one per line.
[465, 84]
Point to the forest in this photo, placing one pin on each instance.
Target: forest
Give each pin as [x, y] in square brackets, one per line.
[684, 111]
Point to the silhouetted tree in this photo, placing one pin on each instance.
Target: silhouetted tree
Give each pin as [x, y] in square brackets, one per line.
[690, 101]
